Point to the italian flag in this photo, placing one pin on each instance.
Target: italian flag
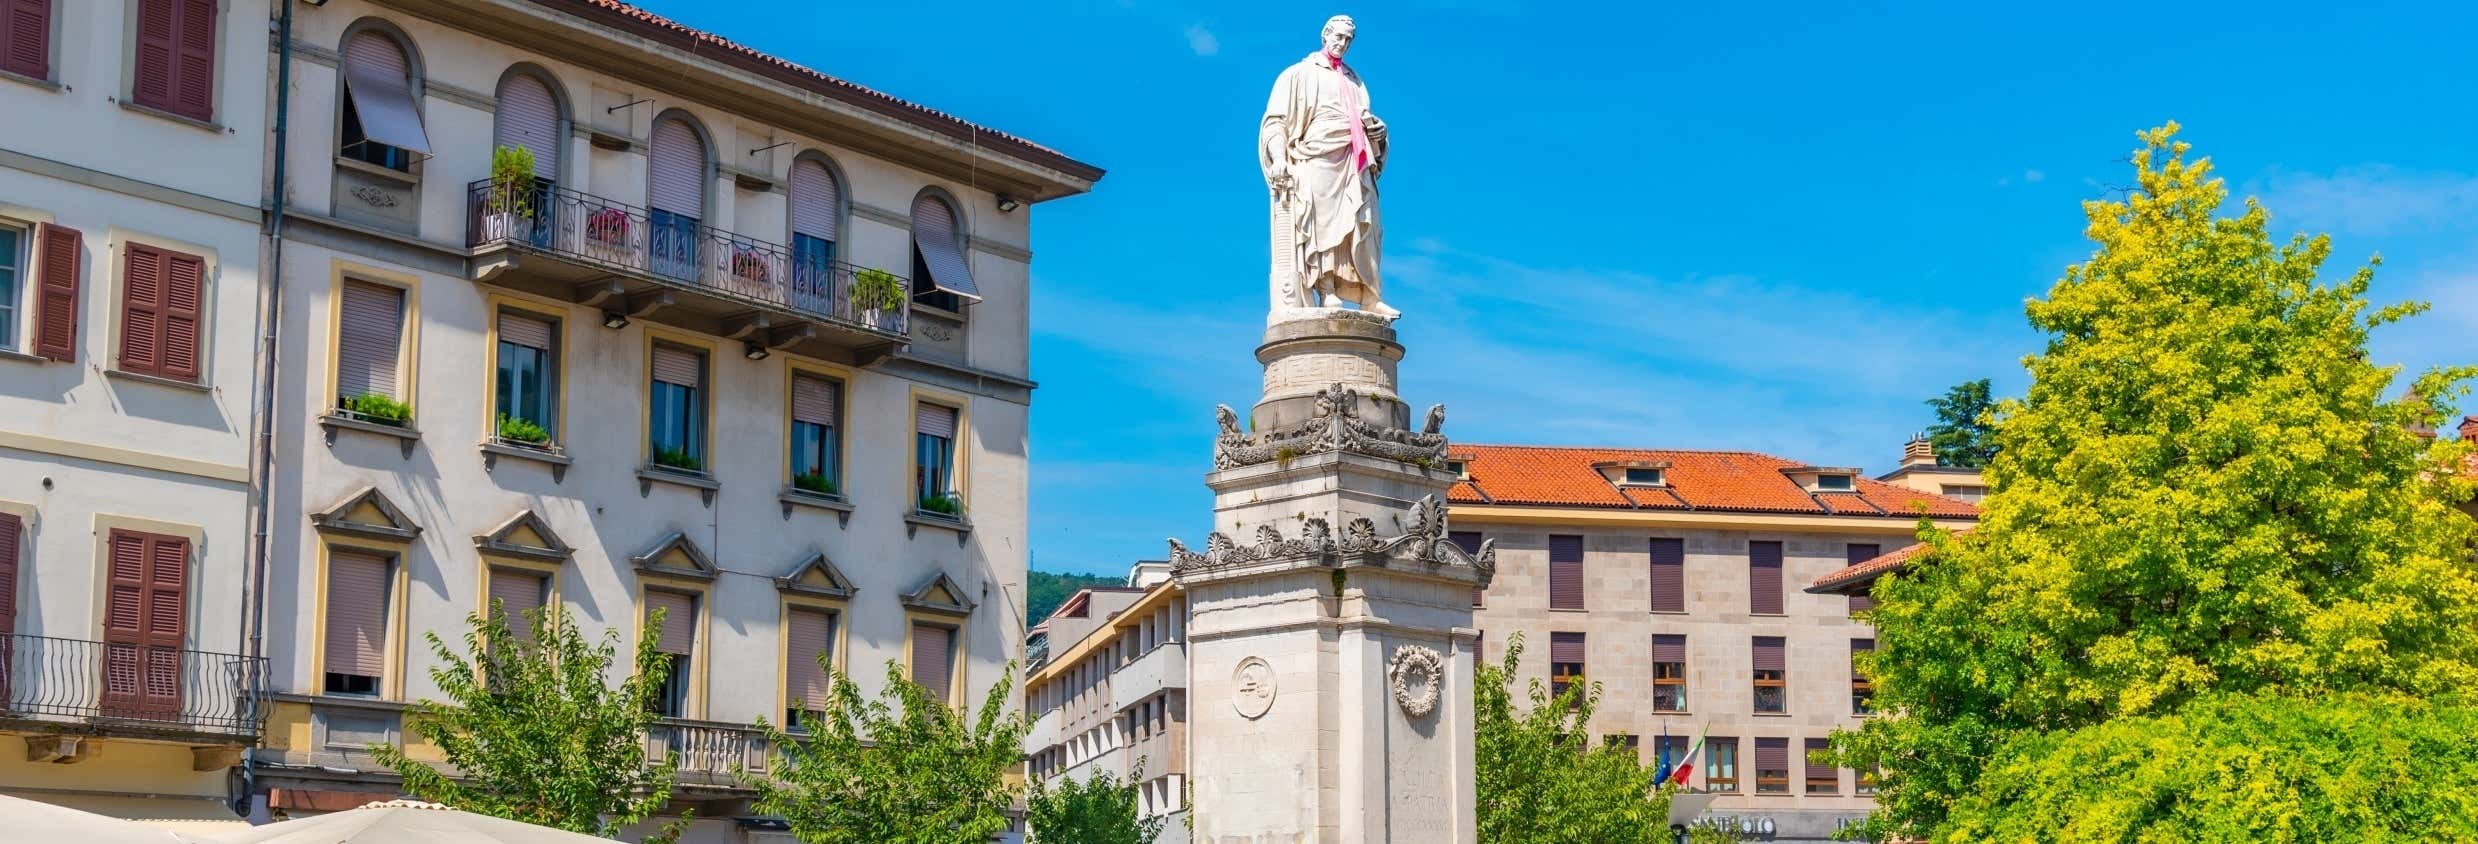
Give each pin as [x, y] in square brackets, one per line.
[1686, 766]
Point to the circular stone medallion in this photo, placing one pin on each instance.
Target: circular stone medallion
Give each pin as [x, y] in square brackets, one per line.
[1417, 673]
[1252, 688]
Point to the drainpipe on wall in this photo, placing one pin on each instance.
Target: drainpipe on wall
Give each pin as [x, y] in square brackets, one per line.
[262, 424]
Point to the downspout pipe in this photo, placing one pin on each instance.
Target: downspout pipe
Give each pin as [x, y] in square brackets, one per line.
[262, 475]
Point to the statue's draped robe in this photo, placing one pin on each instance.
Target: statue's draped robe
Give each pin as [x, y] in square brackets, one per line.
[1332, 208]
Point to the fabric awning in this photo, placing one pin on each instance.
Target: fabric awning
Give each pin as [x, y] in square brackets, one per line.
[933, 233]
[116, 818]
[374, 76]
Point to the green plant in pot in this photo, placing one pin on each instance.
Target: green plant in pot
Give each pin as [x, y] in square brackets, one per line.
[379, 408]
[678, 458]
[523, 431]
[876, 290]
[815, 482]
[944, 505]
[511, 191]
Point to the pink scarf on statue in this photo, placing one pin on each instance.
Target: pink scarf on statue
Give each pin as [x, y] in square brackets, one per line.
[1352, 105]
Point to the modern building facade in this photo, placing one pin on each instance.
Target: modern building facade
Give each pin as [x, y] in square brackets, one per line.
[1673, 579]
[734, 339]
[1112, 692]
[129, 311]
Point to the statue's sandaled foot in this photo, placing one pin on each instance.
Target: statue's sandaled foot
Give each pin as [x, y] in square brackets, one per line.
[1381, 309]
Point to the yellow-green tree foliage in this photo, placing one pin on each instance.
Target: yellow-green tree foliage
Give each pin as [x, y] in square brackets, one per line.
[1539, 776]
[2205, 496]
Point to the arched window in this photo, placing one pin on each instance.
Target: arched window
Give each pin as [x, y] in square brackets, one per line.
[530, 117]
[941, 278]
[817, 214]
[381, 118]
[676, 194]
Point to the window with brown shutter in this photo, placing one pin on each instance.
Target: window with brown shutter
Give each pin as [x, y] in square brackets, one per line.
[356, 635]
[1822, 777]
[1862, 691]
[55, 297]
[1565, 572]
[1764, 578]
[1772, 766]
[1668, 575]
[26, 38]
[1668, 673]
[1856, 553]
[160, 298]
[933, 659]
[174, 68]
[145, 618]
[1469, 541]
[1771, 675]
[677, 643]
[516, 592]
[1566, 652]
[12, 531]
[369, 341]
[809, 643]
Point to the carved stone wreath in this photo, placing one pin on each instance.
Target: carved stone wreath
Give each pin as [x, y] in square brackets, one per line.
[1417, 673]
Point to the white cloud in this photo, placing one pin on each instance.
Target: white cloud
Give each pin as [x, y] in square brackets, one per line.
[2034, 176]
[1201, 40]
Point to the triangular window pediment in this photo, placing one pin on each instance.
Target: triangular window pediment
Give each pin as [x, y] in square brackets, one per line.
[816, 576]
[676, 556]
[939, 594]
[367, 513]
[527, 536]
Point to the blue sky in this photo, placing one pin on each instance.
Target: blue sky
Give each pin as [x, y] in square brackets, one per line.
[1678, 225]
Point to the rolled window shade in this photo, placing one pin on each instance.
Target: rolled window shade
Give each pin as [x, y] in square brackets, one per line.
[813, 400]
[1565, 647]
[1862, 603]
[677, 162]
[1668, 648]
[1768, 654]
[677, 366]
[1772, 754]
[679, 621]
[934, 420]
[1764, 578]
[1668, 574]
[356, 613]
[529, 118]
[370, 335]
[1819, 764]
[1566, 572]
[1860, 552]
[525, 331]
[380, 81]
[811, 633]
[933, 233]
[814, 199]
[517, 592]
[933, 658]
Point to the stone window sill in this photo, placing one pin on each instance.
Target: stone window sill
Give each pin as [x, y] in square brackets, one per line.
[794, 497]
[23, 79]
[405, 435]
[22, 357]
[159, 381]
[547, 454]
[917, 519]
[650, 474]
[185, 120]
[401, 178]
[1770, 714]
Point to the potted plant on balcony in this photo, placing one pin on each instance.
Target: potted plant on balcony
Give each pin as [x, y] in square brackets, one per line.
[947, 505]
[510, 197]
[607, 227]
[525, 432]
[678, 458]
[380, 409]
[814, 482]
[874, 292]
[749, 263]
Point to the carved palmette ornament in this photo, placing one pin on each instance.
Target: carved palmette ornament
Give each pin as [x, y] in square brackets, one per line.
[1423, 541]
[1336, 427]
[1417, 673]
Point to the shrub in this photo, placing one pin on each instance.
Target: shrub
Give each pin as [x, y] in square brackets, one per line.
[382, 409]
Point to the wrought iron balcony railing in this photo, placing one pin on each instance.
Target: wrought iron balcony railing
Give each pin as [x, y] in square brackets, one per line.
[660, 247]
[103, 684]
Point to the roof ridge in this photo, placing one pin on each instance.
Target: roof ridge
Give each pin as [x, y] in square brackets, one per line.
[1621, 448]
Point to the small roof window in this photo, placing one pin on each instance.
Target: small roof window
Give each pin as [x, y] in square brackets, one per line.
[1644, 476]
[1835, 483]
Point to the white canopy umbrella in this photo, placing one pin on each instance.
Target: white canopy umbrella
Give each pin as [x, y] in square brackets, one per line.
[406, 822]
[33, 820]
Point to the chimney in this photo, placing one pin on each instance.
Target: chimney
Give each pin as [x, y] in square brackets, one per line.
[1918, 453]
[2469, 428]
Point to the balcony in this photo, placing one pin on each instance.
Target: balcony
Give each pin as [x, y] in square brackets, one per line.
[1163, 667]
[710, 754]
[75, 686]
[647, 265]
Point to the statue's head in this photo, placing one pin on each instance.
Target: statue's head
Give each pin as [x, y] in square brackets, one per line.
[1337, 35]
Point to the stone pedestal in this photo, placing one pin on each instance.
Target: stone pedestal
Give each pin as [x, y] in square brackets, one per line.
[1329, 632]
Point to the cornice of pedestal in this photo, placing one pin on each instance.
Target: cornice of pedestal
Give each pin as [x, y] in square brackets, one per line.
[1421, 551]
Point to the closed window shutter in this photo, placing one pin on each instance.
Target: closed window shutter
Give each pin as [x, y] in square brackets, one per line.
[815, 198]
[811, 635]
[144, 621]
[1772, 754]
[529, 118]
[356, 613]
[380, 80]
[1668, 574]
[813, 400]
[193, 92]
[1565, 572]
[56, 303]
[676, 366]
[370, 329]
[525, 331]
[933, 233]
[1768, 654]
[12, 530]
[26, 37]
[141, 320]
[159, 23]
[934, 420]
[1764, 578]
[679, 621]
[1819, 763]
[184, 285]
[1862, 602]
[1668, 648]
[1565, 647]
[1860, 552]
[517, 592]
[678, 160]
[933, 659]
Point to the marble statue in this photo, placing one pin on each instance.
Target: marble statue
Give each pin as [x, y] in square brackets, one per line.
[1321, 150]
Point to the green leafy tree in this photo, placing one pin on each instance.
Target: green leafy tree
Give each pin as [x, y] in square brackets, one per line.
[1097, 810]
[1538, 776]
[1964, 434]
[1045, 591]
[903, 768]
[2204, 508]
[536, 731]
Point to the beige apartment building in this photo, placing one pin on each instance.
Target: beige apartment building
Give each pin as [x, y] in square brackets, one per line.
[130, 305]
[1674, 579]
[1106, 690]
[746, 343]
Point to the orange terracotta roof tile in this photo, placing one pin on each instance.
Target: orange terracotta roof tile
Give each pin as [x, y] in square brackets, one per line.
[1727, 481]
[1866, 571]
[788, 71]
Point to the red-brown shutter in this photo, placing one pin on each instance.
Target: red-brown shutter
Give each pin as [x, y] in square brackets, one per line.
[141, 311]
[356, 613]
[11, 532]
[933, 659]
[1668, 648]
[1565, 572]
[143, 624]
[1860, 552]
[1668, 574]
[124, 617]
[1566, 647]
[1772, 754]
[1819, 761]
[184, 286]
[56, 302]
[193, 94]
[159, 25]
[26, 37]
[1768, 654]
[1764, 578]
